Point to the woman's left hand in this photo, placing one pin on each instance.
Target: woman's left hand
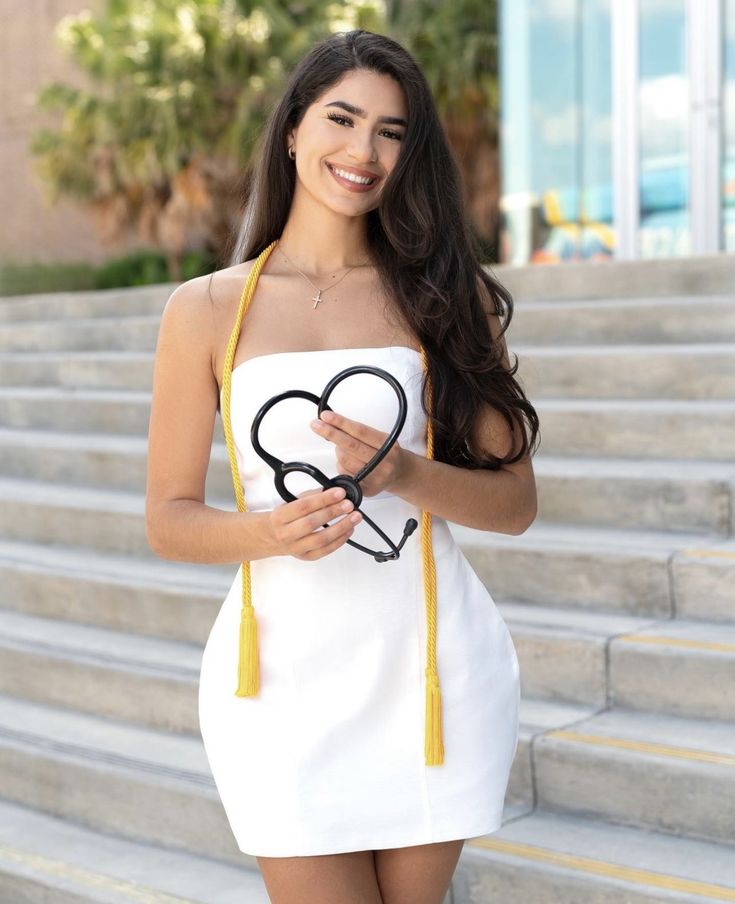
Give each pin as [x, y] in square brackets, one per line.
[356, 444]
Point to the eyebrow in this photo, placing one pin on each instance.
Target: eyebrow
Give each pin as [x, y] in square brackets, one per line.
[357, 111]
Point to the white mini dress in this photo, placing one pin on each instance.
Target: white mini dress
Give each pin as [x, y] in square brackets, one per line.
[328, 757]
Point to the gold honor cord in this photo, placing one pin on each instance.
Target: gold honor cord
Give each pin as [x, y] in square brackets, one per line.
[248, 672]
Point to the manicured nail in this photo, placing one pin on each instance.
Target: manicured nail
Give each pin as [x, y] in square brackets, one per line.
[327, 415]
[317, 425]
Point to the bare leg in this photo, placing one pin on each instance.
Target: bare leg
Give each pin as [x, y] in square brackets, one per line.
[326, 879]
[420, 874]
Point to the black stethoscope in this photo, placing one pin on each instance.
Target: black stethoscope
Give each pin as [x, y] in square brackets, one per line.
[351, 485]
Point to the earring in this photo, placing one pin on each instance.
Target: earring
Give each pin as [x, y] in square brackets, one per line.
[292, 153]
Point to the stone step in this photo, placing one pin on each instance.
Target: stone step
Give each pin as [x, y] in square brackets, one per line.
[152, 683]
[566, 656]
[703, 576]
[154, 597]
[95, 460]
[535, 718]
[539, 856]
[687, 371]
[667, 773]
[144, 784]
[78, 370]
[705, 318]
[146, 681]
[67, 409]
[103, 519]
[559, 858]
[696, 497]
[681, 667]
[622, 428]
[147, 785]
[48, 860]
[72, 306]
[631, 320]
[667, 666]
[125, 332]
[635, 428]
[603, 568]
[666, 495]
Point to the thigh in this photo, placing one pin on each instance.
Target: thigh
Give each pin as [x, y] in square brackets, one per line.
[326, 879]
[420, 874]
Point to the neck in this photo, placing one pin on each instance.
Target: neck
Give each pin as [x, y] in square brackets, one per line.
[325, 244]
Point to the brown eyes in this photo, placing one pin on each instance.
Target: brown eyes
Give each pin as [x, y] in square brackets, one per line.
[337, 117]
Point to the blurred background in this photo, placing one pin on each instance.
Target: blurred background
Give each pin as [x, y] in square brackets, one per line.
[585, 129]
[127, 126]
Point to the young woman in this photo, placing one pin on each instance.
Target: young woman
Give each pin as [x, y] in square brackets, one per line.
[360, 718]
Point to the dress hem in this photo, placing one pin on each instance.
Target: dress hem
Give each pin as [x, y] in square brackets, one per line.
[366, 842]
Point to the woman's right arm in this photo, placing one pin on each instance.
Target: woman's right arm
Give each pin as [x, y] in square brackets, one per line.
[183, 409]
[178, 524]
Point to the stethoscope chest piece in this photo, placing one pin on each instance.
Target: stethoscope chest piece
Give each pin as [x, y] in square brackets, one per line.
[350, 483]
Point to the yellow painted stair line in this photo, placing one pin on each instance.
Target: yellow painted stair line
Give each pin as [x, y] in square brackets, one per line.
[684, 753]
[707, 890]
[61, 870]
[687, 642]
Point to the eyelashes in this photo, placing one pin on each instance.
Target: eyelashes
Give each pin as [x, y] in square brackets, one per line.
[337, 117]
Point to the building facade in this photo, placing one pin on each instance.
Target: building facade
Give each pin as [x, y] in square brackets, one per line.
[617, 129]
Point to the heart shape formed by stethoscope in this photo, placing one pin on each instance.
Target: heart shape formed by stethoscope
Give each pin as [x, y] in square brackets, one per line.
[350, 483]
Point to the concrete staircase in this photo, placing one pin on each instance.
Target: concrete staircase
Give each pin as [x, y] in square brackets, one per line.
[620, 599]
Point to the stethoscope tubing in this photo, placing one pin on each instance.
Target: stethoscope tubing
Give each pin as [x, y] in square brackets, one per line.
[350, 483]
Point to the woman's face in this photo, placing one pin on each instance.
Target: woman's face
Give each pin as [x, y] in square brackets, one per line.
[363, 144]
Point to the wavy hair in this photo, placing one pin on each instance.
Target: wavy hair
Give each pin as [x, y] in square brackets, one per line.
[425, 252]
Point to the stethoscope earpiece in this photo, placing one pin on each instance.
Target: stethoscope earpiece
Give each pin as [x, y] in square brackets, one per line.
[350, 484]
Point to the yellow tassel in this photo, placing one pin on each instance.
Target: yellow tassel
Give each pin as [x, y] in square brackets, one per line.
[433, 737]
[434, 742]
[248, 673]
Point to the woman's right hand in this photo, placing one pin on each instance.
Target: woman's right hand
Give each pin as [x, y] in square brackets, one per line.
[296, 526]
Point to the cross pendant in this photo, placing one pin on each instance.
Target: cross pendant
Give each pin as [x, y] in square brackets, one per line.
[317, 297]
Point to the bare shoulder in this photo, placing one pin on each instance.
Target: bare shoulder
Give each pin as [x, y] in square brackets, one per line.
[197, 309]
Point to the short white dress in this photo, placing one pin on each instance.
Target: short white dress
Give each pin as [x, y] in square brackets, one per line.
[329, 756]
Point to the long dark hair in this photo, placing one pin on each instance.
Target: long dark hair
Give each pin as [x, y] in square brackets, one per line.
[425, 252]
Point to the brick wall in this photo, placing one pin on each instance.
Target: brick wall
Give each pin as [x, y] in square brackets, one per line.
[30, 229]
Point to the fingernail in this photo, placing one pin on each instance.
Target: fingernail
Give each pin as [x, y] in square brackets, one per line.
[317, 425]
[327, 415]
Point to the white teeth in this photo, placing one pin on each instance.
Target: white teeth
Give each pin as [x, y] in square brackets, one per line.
[352, 178]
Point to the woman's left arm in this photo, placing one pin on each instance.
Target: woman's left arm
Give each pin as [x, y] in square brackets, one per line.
[503, 500]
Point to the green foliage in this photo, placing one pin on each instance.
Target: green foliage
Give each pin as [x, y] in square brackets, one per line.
[179, 90]
[171, 79]
[137, 269]
[145, 267]
[456, 45]
[23, 279]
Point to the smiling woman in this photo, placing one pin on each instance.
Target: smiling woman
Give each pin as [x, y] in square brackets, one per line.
[365, 723]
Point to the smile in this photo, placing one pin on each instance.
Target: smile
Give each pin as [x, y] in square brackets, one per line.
[350, 180]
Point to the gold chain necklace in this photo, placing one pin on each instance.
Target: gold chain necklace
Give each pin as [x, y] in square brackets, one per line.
[318, 297]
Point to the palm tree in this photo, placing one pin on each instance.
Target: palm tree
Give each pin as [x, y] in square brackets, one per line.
[161, 138]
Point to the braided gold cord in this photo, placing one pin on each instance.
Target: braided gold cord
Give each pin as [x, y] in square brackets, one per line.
[248, 671]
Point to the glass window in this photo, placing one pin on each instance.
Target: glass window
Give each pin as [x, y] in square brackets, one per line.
[664, 130]
[728, 144]
[556, 74]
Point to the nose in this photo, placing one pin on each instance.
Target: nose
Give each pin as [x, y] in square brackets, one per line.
[363, 150]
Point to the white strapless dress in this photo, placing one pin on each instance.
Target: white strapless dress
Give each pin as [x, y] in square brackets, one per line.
[329, 756]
